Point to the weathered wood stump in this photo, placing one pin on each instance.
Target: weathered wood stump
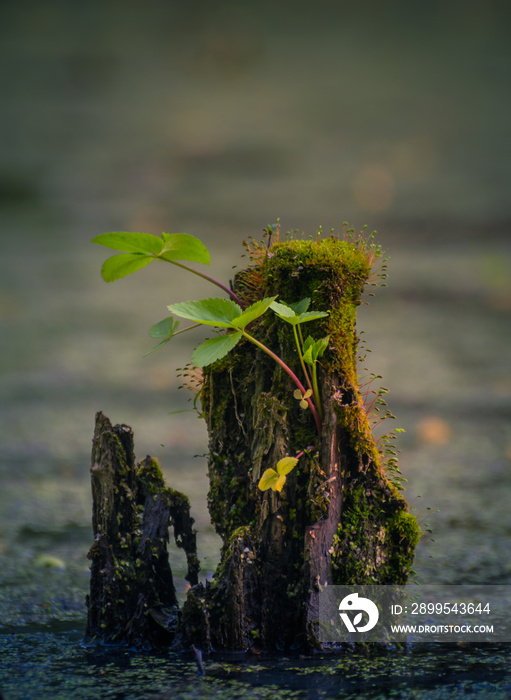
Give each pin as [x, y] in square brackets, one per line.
[340, 518]
[132, 595]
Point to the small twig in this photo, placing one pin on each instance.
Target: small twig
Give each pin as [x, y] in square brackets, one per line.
[324, 483]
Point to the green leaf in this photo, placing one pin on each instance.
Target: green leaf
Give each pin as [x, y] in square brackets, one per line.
[322, 345]
[275, 480]
[302, 397]
[131, 242]
[285, 465]
[311, 316]
[315, 350]
[164, 329]
[212, 350]
[183, 246]
[269, 480]
[293, 314]
[300, 306]
[283, 311]
[254, 311]
[307, 344]
[124, 264]
[307, 356]
[157, 347]
[171, 246]
[210, 312]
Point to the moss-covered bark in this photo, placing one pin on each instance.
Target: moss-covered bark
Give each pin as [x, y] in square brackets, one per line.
[339, 518]
[132, 596]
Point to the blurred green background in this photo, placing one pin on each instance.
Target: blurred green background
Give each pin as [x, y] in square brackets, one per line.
[215, 118]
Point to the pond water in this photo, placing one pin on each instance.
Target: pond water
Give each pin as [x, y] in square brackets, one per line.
[58, 666]
[216, 120]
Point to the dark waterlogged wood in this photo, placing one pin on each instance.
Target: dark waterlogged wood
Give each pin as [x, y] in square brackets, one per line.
[132, 595]
[340, 518]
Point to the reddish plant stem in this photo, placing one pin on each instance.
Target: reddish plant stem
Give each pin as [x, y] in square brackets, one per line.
[209, 279]
[293, 376]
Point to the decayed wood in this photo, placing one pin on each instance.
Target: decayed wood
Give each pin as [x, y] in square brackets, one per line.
[338, 519]
[319, 536]
[132, 595]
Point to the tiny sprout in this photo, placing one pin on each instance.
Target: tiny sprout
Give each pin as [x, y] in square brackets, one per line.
[275, 480]
[302, 397]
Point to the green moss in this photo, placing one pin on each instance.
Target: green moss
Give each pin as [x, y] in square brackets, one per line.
[353, 419]
[118, 450]
[375, 541]
[241, 534]
[228, 499]
[151, 475]
[240, 538]
[404, 531]
[341, 328]
[254, 420]
[327, 270]
[332, 273]
[179, 500]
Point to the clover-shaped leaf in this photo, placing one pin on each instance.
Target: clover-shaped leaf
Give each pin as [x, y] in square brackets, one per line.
[302, 397]
[275, 480]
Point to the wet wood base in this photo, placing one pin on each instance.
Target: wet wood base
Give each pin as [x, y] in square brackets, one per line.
[132, 595]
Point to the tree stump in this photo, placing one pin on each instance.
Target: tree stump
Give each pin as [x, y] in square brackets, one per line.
[132, 595]
[339, 519]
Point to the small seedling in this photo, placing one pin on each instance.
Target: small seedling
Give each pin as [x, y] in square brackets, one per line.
[275, 480]
[230, 316]
[310, 351]
[224, 313]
